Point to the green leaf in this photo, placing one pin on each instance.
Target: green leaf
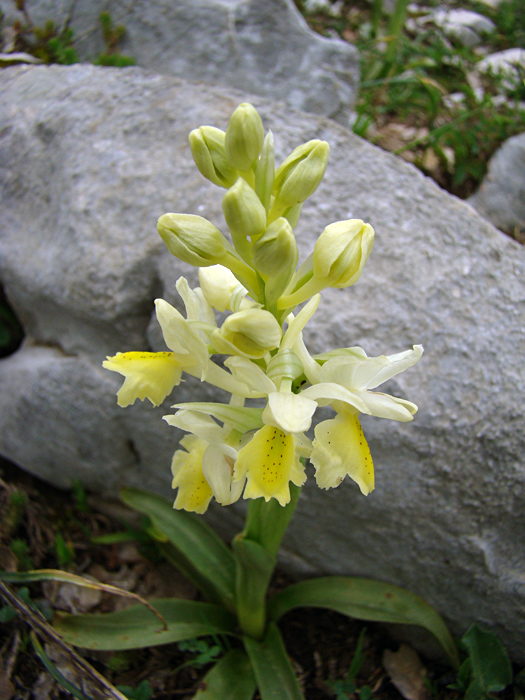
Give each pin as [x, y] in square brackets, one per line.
[365, 599]
[273, 671]
[193, 546]
[232, 677]
[136, 627]
[491, 670]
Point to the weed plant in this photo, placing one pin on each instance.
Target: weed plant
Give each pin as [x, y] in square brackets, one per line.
[423, 82]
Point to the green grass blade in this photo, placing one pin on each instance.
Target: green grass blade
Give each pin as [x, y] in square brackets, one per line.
[194, 547]
[54, 672]
[365, 599]
[272, 668]
[232, 677]
[135, 627]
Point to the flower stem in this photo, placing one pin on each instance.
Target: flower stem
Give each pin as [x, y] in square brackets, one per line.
[255, 551]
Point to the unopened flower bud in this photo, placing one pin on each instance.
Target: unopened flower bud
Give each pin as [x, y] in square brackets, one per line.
[276, 250]
[209, 153]
[218, 285]
[300, 174]
[244, 137]
[249, 333]
[341, 252]
[192, 239]
[265, 171]
[245, 216]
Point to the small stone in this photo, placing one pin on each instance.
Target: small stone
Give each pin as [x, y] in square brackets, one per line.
[465, 26]
[509, 64]
[501, 196]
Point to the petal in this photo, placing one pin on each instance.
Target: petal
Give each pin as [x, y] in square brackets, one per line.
[386, 406]
[328, 392]
[340, 449]
[396, 364]
[150, 375]
[194, 492]
[352, 370]
[269, 463]
[196, 423]
[291, 413]
[181, 338]
[197, 308]
[247, 372]
[217, 467]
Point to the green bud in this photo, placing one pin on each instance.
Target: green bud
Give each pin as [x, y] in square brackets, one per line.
[244, 137]
[341, 252]
[276, 250]
[300, 174]
[209, 153]
[275, 258]
[249, 333]
[265, 171]
[245, 216]
[192, 239]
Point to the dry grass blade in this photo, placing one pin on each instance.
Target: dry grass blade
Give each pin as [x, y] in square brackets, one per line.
[65, 577]
[43, 629]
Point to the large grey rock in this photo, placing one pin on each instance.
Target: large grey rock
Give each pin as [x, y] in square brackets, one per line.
[501, 196]
[91, 157]
[265, 48]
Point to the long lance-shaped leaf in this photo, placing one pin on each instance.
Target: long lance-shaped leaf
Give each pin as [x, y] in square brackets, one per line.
[194, 548]
[135, 627]
[66, 577]
[365, 599]
[232, 677]
[272, 668]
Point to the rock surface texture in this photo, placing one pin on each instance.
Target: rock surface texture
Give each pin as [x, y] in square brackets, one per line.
[265, 48]
[501, 197]
[91, 157]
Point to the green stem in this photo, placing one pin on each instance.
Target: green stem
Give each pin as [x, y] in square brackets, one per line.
[255, 551]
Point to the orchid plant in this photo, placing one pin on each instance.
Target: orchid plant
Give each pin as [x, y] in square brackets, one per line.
[239, 448]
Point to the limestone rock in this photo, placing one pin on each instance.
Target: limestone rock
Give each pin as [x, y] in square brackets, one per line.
[265, 48]
[501, 196]
[509, 64]
[91, 157]
[464, 25]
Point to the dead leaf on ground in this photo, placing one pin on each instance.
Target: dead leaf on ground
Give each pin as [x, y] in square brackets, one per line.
[406, 672]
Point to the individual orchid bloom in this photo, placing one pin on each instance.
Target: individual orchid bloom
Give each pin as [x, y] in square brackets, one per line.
[153, 375]
[345, 381]
[350, 375]
[217, 451]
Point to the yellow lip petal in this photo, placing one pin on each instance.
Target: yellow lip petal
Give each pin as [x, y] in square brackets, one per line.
[148, 375]
[194, 493]
[340, 449]
[269, 462]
